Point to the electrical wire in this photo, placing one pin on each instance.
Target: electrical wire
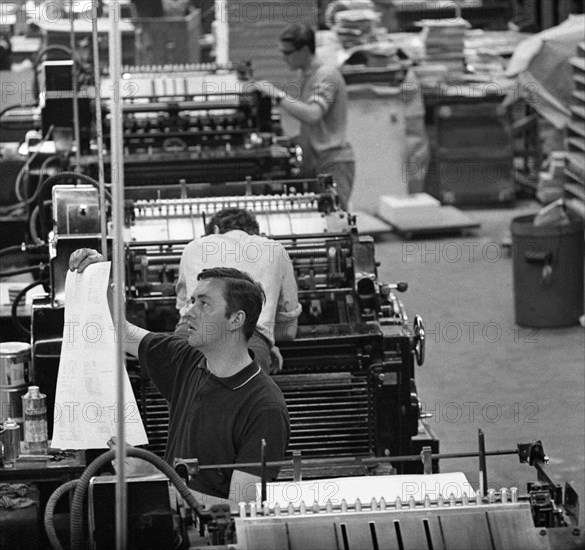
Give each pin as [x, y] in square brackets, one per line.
[34, 215]
[32, 224]
[82, 177]
[11, 249]
[13, 107]
[25, 168]
[14, 308]
[51, 179]
[45, 164]
[21, 270]
[18, 207]
[20, 248]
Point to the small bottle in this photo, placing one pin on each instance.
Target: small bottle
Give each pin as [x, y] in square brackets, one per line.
[34, 410]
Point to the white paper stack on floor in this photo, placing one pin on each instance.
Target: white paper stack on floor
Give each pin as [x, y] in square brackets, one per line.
[420, 213]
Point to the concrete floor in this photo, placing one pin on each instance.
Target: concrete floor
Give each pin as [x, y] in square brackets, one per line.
[483, 371]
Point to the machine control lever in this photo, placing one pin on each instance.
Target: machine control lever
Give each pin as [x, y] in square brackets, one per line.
[400, 287]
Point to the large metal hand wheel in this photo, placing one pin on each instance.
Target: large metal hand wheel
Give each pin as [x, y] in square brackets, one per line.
[419, 339]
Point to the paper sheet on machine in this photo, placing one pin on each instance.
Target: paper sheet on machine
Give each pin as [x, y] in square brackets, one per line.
[86, 399]
[365, 488]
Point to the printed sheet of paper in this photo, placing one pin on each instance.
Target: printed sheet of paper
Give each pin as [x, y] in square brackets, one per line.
[86, 400]
[365, 488]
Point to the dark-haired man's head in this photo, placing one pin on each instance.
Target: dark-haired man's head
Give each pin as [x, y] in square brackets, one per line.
[229, 219]
[241, 293]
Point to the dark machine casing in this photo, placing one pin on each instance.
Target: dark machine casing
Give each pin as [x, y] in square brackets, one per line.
[150, 521]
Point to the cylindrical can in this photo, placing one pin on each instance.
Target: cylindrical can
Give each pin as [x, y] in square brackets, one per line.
[11, 440]
[14, 366]
[34, 408]
[1, 446]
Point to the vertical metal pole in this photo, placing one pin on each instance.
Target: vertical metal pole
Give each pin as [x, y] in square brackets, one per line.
[482, 465]
[297, 465]
[458, 11]
[98, 124]
[73, 47]
[427, 460]
[117, 160]
[222, 46]
[263, 472]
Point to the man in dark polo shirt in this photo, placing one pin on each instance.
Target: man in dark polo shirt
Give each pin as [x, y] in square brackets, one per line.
[222, 404]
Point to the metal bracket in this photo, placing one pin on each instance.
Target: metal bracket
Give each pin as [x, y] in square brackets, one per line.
[187, 468]
[532, 452]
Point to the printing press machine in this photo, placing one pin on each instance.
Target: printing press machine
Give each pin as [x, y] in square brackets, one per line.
[348, 377]
[357, 439]
[199, 123]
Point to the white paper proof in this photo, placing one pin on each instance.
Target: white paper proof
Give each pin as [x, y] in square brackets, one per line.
[365, 488]
[85, 413]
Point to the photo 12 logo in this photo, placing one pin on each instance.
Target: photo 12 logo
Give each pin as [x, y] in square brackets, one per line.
[471, 412]
[490, 332]
[73, 412]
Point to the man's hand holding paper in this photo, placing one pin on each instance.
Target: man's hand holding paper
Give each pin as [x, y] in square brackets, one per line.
[86, 408]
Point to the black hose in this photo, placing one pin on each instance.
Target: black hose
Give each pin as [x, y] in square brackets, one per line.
[100, 462]
[24, 169]
[82, 177]
[21, 248]
[46, 163]
[21, 270]
[32, 223]
[50, 512]
[14, 309]
[51, 179]
[13, 107]
[11, 249]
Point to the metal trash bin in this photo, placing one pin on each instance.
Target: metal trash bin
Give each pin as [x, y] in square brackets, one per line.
[548, 272]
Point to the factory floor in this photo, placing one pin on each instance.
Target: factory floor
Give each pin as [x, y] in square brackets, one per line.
[482, 371]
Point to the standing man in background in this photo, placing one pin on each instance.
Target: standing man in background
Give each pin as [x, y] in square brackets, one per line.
[232, 239]
[321, 108]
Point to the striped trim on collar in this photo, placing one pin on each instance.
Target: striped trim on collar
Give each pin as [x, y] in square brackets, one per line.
[246, 381]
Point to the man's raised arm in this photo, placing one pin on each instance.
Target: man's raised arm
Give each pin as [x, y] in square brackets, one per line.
[131, 334]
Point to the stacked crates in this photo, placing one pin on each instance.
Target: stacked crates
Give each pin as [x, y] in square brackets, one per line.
[473, 154]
